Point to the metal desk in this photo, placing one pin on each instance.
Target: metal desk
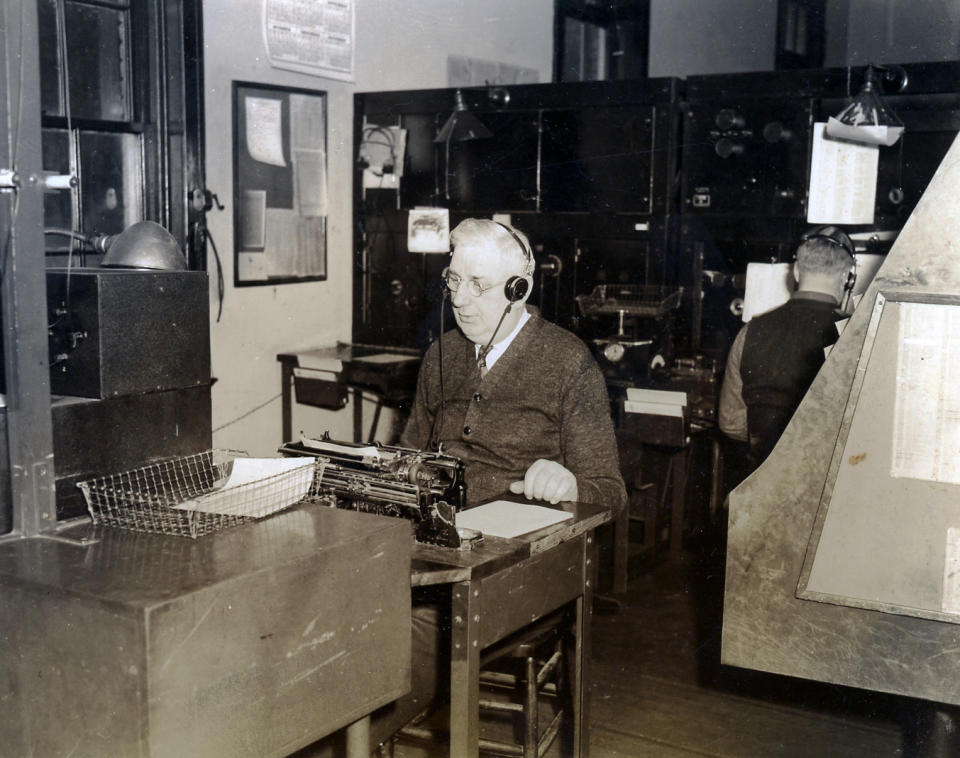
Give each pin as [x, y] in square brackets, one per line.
[254, 641]
[392, 382]
[503, 586]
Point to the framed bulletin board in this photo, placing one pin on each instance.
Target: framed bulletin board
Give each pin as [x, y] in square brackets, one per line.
[280, 184]
[887, 533]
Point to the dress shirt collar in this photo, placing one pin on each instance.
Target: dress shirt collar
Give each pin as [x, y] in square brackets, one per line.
[498, 348]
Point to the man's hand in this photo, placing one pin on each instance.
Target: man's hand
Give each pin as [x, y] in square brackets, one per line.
[546, 480]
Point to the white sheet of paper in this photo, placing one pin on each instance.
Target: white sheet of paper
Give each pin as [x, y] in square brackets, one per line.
[950, 591]
[768, 285]
[319, 360]
[502, 518]
[868, 133]
[226, 500]
[926, 425]
[843, 181]
[265, 130]
[369, 451]
[385, 358]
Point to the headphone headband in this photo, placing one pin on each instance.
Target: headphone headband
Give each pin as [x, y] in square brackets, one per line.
[834, 236]
[516, 237]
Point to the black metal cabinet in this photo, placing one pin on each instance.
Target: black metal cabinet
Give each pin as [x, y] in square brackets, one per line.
[570, 162]
[600, 159]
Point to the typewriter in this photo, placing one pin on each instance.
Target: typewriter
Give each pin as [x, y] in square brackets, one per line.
[426, 487]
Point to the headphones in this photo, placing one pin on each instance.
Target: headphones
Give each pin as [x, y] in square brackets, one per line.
[835, 236]
[516, 287]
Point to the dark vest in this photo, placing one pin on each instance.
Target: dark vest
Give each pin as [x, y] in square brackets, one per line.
[782, 353]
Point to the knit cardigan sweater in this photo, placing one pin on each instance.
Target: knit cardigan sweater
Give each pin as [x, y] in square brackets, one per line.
[545, 397]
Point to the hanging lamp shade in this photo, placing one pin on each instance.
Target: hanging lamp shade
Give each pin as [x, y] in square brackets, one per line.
[462, 124]
[867, 118]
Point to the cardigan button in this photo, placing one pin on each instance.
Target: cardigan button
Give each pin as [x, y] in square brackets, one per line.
[477, 397]
[466, 430]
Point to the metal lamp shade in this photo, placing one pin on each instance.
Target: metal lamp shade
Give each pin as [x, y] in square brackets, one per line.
[144, 244]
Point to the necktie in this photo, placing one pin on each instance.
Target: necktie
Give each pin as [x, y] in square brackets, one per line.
[482, 364]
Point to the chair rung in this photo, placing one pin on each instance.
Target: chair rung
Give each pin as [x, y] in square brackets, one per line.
[548, 668]
[499, 705]
[499, 748]
[498, 679]
[420, 733]
[549, 735]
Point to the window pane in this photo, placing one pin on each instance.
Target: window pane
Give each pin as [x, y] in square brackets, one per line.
[174, 63]
[110, 185]
[57, 206]
[584, 51]
[50, 102]
[572, 51]
[99, 72]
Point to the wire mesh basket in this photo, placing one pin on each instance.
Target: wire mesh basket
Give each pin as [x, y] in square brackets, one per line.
[201, 493]
[630, 300]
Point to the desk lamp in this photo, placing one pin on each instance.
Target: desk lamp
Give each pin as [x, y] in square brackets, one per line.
[144, 244]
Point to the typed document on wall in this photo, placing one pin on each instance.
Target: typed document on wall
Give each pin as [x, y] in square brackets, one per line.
[843, 181]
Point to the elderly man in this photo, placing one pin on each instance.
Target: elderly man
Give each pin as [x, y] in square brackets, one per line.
[776, 356]
[520, 400]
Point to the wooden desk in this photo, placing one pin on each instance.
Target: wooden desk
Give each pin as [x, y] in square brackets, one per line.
[357, 368]
[254, 641]
[503, 586]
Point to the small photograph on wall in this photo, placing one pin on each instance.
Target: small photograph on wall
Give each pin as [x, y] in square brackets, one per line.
[280, 184]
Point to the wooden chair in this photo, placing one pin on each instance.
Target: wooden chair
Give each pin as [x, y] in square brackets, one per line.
[531, 667]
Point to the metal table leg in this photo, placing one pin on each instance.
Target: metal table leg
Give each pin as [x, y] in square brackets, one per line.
[358, 738]
[465, 671]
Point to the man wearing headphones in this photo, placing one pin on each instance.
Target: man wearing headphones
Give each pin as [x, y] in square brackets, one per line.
[520, 400]
[776, 356]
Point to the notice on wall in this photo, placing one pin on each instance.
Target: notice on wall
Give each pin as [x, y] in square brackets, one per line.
[950, 591]
[843, 181]
[428, 230]
[926, 425]
[264, 130]
[311, 36]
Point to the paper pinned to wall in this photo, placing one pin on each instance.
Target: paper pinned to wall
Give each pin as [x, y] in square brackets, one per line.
[843, 181]
[264, 118]
[950, 591]
[428, 230]
[926, 424]
[311, 36]
[253, 226]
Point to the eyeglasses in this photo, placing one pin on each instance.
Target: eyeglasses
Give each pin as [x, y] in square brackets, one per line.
[453, 282]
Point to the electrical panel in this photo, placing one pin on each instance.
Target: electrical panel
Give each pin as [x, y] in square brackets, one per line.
[746, 156]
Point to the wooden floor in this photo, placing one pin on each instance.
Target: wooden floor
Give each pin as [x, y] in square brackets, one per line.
[659, 690]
